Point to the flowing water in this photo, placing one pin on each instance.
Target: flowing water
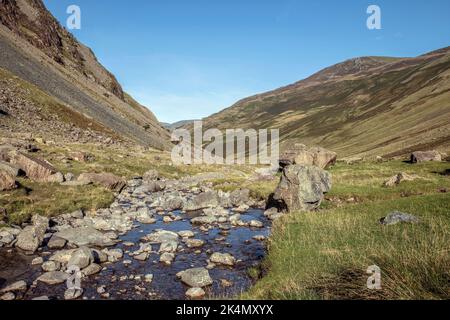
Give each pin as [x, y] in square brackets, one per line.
[120, 280]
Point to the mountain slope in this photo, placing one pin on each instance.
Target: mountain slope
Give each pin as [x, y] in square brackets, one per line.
[34, 47]
[365, 106]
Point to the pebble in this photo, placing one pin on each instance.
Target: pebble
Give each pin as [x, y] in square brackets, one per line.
[259, 238]
[8, 296]
[101, 289]
[143, 256]
[167, 258]
[128, 244]
[37, 261]
[256, 224]
[195, 293]
[148, 278]
[73, 293]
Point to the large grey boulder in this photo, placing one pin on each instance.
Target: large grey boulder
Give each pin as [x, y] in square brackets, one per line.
[223, 259]
[425, 156]
[196, 277]
[85, 236]
[302, 188]
[81, 258]
[31, 237]
[287, 158]
[62, 256]
[323, 158]
[36, 169]
[56, 243]
[53, 277]
[107, 180]
[240, 197]
[160, 236]
[204, 200]
[173, 203]
[316, 156]
[149, 187]
[396, 217]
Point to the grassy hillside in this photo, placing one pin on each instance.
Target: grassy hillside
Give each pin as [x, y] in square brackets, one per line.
[366, 106]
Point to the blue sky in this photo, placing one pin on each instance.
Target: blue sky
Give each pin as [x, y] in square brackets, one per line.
[190, 58]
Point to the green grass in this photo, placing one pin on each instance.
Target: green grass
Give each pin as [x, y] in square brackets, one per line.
[364, 181]
[325, 254]
[51, 199]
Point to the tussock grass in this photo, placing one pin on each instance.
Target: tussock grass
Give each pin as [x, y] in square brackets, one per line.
[326, 255]
[50, 199]
[364, 181]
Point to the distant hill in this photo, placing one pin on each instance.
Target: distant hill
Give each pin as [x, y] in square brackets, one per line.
[364, 106]
[177, 125]
[68, 83]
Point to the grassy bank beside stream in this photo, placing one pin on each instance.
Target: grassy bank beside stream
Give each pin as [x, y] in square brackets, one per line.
[326, 254]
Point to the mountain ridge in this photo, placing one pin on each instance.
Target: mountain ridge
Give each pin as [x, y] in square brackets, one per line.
[335, 105]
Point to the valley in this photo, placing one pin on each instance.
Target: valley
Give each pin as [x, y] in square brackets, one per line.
[94, 206]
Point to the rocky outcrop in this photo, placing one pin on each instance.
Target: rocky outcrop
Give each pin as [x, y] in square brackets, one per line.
[315, 156]
[287, 158]
[36, 169]
[425, 156]
[302, 188]
[85, 236]
[323, 158]
[108, 180]
[31, 237]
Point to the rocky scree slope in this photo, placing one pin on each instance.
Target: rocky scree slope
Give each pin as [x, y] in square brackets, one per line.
[37, 49]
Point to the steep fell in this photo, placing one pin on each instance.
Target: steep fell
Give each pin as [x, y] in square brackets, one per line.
[45, 57]
[365, 106]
